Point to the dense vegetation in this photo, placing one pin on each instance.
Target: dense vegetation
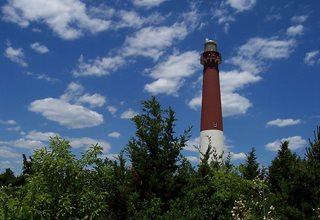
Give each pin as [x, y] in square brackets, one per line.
[151, 179]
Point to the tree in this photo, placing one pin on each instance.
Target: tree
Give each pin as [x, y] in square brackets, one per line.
[284, 173]
[250, 169]
[155, 154]
[7, 177]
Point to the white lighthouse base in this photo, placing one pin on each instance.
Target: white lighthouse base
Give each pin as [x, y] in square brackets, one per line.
[215, 139]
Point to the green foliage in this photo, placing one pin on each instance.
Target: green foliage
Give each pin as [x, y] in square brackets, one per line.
[157, 182]
[155, 154]
[250, 170]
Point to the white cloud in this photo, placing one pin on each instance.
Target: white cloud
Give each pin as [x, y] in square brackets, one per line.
[67, 18]
[39, 48]
[40, 136]
[266, 48]
[112, 109]
[6, 152]
[238, 156]
[295, 142]
[86, 142]
[16, 128]
[195, 102]
[44, 77]
[169, 75]
[283, 122]
[114, 134]
[99, 66]
[192, 144]
[192, 159]
[241, 5]
[95, 100]
[151, 41]
[74, 94]
[72, 116]
[299, 18]
[133, 20]
[293, 31]
[234, 104]
[224, 15]
[147, 3]
[312, 57]
[128, 114]
[8, 122]
[16, 55]
[26, 143]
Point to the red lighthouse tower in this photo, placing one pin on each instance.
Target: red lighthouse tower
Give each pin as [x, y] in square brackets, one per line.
[211, 113]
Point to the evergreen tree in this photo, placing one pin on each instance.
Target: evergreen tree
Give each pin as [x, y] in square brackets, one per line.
[7, 177]
[284, 173]
[313, 151]
[250, 169]
[155, 154]
[311, 177]
[26, 169]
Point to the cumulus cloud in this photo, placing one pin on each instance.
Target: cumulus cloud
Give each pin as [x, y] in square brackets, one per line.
[26, 143]
[131, 19]
[39, 48]
[40, 136]
[114, 134]
[8, 122]
[312, 57]
[112, 109]
[151, 41]
[238, 156]
[86, 142]
[299, 18]
[74, 94]
[16, 128]
[69, 19]
[69, 115]
[169, 75]
[44, 77]
[295, 142]
[225, 12]
[147, 3]
[16, 55]
[6, 152]
[283, 122]
[68, 111]
[193, 144]
[95, 100]
[241, 5]
[265, 49]
[128, 114]
[99, 66]
[295, 30]
[192, 159]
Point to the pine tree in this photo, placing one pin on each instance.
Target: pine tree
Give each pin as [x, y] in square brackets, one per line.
[155, 153]
[251, 167]
[284, 173]
[313, 151]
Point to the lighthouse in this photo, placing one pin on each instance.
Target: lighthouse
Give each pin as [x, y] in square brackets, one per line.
[211, 113]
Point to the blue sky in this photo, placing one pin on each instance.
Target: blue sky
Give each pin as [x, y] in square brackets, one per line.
[80, 69]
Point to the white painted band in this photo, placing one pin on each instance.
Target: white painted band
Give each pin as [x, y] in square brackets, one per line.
[216, 141]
